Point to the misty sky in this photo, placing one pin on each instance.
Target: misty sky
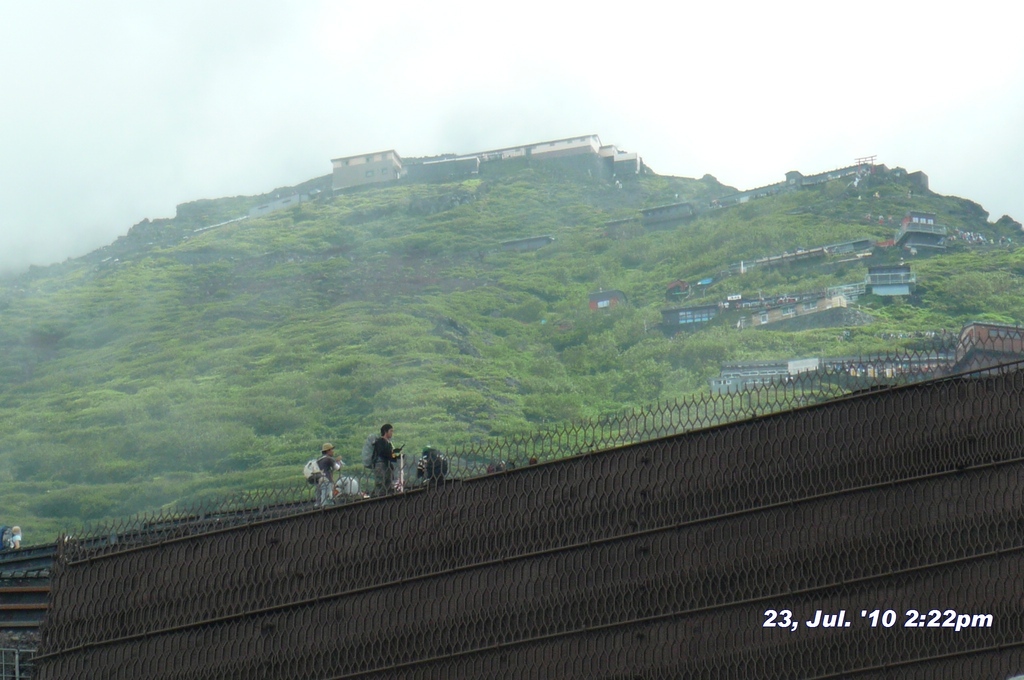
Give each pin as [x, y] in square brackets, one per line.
[111, 111]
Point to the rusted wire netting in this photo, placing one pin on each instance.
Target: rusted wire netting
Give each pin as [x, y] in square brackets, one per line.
[825, 528]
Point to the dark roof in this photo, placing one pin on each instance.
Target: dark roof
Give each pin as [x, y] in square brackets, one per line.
[607, 294]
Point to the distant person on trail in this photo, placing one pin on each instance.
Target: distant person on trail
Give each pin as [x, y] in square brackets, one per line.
[385, 462]
[432, 467]
[11, 538]
[327, 464]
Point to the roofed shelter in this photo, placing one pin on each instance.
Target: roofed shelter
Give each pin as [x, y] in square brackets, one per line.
[606, 299]
[371, 168]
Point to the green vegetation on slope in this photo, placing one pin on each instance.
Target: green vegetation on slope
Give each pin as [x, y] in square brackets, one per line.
[199, 362]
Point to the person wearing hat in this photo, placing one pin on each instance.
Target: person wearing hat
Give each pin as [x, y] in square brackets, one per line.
[327, 464]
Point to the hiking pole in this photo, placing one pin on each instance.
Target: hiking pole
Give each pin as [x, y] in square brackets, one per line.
[401, 473]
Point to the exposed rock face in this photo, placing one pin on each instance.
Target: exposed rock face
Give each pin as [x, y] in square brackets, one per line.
[1006, 221]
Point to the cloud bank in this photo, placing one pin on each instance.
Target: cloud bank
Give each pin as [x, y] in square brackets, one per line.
[118, 111]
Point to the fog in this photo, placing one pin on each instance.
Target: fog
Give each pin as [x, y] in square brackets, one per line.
[118, 111]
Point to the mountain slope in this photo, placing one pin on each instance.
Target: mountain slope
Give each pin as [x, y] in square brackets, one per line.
[187, 359]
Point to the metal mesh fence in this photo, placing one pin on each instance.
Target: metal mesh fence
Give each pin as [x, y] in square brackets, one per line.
[978, 348]
[879, 534]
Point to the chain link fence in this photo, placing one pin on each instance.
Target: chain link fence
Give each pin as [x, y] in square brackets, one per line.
[822, 527]
[977, 347]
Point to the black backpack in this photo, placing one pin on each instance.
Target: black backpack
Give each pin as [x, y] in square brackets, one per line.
[433, 466]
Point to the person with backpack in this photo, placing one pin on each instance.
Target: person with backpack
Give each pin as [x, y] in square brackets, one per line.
[385, 456]
[367, 454]
[327, 464]
[10, 538]
[432, 467]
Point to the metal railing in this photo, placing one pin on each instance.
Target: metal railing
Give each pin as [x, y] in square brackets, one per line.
[921, 227]
[16, 664]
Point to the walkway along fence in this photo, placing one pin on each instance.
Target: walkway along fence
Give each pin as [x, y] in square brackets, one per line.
[978, 346]
[878, 534]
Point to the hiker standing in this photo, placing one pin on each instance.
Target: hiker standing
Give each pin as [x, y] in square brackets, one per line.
[384, 457]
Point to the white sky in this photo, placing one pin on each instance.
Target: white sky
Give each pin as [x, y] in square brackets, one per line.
[114, 111]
